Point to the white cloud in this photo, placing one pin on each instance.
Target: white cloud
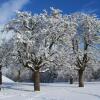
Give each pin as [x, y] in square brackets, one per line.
[8, 9]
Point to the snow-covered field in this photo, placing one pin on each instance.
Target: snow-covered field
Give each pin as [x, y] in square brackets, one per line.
[50, 91]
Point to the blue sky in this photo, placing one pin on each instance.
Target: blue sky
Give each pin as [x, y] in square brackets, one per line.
[67, 6]
[8, 7]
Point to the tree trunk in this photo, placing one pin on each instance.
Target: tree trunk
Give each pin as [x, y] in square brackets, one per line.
[36, 80]
[81, 80]
[0, 76]
[71, 79]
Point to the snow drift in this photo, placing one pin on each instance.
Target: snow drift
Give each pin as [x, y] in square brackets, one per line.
[5, 79]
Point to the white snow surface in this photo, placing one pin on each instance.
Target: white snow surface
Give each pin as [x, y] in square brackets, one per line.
[50, 91]
[5, 79]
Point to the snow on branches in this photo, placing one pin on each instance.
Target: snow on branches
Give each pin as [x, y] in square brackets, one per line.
[38, 37]
[44, 40]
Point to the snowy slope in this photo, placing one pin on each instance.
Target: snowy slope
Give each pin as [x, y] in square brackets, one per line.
[54, 91]
[5, 79]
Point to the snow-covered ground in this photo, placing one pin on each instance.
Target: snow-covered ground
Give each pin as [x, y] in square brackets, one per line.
[5, 79]
[50, 91]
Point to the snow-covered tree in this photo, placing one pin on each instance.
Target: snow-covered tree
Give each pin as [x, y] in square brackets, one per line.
[5, 51]
[38, 39]
[84, 44]
[2, 56]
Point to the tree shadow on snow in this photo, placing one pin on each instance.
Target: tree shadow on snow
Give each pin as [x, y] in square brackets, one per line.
[15, 86]
[86, 93]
